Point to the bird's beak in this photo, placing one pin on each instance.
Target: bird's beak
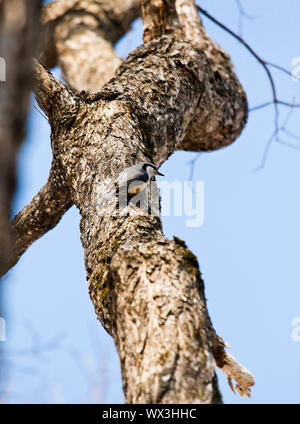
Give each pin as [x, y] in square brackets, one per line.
[159, 173]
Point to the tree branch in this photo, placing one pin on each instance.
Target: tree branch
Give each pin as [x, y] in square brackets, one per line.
[210, 131]
[205, 131]
[190, 21]
[260, 60]
[53, 97]
[62, 30]
[79, 36]
[232, 368]
[242, 15]
[159, 18]
[266, 65]
[19, 30]
[41, 215]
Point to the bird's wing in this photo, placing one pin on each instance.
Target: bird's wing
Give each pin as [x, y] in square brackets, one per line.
[123, 180]
[128, 176]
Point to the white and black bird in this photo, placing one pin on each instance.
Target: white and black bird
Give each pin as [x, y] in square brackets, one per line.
[134, 179]
[131, 182]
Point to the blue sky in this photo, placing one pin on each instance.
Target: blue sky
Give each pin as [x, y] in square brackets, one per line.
[248, 246]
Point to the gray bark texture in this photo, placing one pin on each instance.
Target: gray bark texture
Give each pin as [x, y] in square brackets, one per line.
[176, 91]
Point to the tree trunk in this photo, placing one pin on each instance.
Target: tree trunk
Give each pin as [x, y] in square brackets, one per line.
[176, 91]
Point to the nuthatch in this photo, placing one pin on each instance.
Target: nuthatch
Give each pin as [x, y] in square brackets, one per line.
[135, 178]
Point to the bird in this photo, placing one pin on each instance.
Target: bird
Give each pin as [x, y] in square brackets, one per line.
[134, 179]
[131, 182]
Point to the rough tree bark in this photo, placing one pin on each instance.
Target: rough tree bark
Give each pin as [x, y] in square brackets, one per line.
[176, 91]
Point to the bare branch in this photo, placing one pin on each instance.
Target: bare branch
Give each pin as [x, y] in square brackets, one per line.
[190, 20]
[41, 215]
[266, 150]
[282, 69]
[232, 368]
[52, 95]
[159, 18]
[279, 102]
[289, 133]
[275, 136]
[192, 164]
[242, 15]
[79, 36]
[240, 39]
[288, 144]
[41, 113]
[265, 64]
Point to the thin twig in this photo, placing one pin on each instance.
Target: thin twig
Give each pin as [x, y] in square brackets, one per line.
[243, 14]
[291, 134]
[275, 136]
[282, 69]
[266, 151]
[44, 116]
[265, 64]
[193, 163]
[279, 102]
[288, 144]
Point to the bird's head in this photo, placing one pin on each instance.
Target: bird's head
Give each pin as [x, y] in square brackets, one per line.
[151, 169]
